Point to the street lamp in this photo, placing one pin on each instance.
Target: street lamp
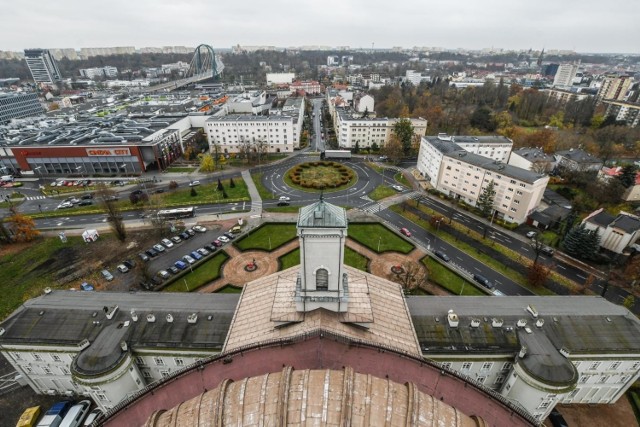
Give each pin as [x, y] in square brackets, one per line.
[436, 233]
[379, 239]
[37, 170]
[124, 166]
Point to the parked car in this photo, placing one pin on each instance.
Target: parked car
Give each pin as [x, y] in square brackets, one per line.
[143, 257]
[151, 252]
[398, 188]
[190, 232]
[210, 248]
[236, 229]
[76, 414]
[55, 414]
[167, 243]
[158, 247]
[194, 183]
[180, 265]
[199, 228]
[531, 234]
[223, 239]
[216, 243]
[173, 269]
[107, 275]
[196, 255]
[405, 231]
[442, 256]
[122, 268]
[188, 259]
[85, 203]
[129, 263]
[87, 196]
[164, 274]
[283, 203]
[93, 416]
[229, 235]
[86, 286]
[203, 251]
[73, 200]
[176, 239]
[29, 417]
[483, 281]
[184, 235]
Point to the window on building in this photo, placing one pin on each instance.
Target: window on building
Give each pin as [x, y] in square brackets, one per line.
[486, 366]
[36, 357]
[519, 193]
[499, 380]
[322, 279]
[56, 358]
[615, 365]
[577, 364]
[446, 365]
[466, 366]
[102, 397]
[179, 361]
[522, 185]
[584, 379]
[17, 356]
[46, 370]
[624, 378]
[573, 393]
[544, 404]
[603, 379]
[481, 380]
[159, 361]
[64, 370]
[636, 365]
[146, 373]
[164, 373]
[594, 365]
[512, 181]
[140, 360]
[28, 369]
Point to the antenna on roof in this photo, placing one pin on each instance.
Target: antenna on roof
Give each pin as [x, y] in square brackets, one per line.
[322, 194]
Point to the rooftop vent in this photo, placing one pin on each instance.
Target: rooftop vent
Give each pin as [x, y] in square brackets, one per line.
[47, 291]
[1, 332]
[453, 319]
[475, 323]
[496, 323]
[169, 318]
[192, 318]
[563, 351]
[111, 311]
[523, 352]
[539, 323]
[528, 330]
[126, 323]
[83, 344]
[151, 318]
[532, 310]
[134, 316]
[123, 345]
[521, 323]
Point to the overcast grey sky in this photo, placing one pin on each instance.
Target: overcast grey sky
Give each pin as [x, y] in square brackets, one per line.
[581, 25]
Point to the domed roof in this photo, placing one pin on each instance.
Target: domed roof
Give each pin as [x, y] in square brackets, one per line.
[313, 397]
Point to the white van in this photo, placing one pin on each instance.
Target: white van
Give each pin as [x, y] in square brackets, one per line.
[76, 414]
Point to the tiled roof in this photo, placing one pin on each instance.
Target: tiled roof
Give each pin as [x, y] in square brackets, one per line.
[322, 215]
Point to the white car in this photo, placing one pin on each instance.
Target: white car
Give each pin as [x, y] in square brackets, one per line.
[168, 243]
[176, 239]
[122, 268]
[531, 234]
[194, 183]
[199, 228]
[223, 239]
[284, 198]
[203, 251]
[159, 248]
[397, 188]
[187, 258]
[65, 205]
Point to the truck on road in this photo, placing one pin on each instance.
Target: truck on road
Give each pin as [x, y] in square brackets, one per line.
[335, 154]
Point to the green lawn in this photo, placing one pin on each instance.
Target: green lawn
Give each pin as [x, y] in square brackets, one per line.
[449, 280]
[382, 191]
[378, 238]
[351, 258]
[229, 289]
[262, 190]
[203, 273]
[267, 237]
[284, 209]
[322, 173]
[402, 180]
[24, 274]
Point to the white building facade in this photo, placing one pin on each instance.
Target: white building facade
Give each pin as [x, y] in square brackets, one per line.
[234, 133]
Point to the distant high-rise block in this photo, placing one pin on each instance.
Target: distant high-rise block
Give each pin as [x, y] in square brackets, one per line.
[43, 66]
[565, 74]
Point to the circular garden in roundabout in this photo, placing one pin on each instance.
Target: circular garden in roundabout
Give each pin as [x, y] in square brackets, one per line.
[320, 175]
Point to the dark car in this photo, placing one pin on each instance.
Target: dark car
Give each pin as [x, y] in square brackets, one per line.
[143, 256]
[85, 202]
[184, 236]
[151, 252]
[442, 256]
[136, 192]
[173, 270]
[231, 236]
[129, 263]
[210, 248]
[196, 255]
[557, 420]
[483, 281]
[283, 203]
[87, 197]
[190, 231]
[546, 250]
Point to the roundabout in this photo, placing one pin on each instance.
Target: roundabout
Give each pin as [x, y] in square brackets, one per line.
[321, 175]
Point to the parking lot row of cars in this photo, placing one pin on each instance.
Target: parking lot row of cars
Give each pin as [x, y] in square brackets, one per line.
[62, 414]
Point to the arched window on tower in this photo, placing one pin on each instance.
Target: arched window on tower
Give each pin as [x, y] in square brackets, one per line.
[322, 279]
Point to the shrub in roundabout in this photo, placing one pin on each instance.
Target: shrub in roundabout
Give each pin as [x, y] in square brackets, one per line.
[318, 175]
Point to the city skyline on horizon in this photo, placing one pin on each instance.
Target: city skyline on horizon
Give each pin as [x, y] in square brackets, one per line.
[583, 27]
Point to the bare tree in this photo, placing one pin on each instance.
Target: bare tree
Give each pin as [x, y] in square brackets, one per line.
[537, 245]
[412, 276]
[541, 166]
[109, 203]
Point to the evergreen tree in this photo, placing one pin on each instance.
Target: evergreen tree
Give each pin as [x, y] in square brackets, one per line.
[193, 192]
[224, 194]
[486, 199]
[581, 243]
[231, 183]
[403, 130]
[219, 187]
[628, 176]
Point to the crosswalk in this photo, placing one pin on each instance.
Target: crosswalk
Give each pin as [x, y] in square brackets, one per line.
[374, 207]
[35, 197]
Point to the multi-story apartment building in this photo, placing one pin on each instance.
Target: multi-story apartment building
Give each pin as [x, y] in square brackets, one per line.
[624, 111]
[237, 133]
[280, 78]
[43, 66]
[564, 96]
[463, 170]
[311, 87]
[352, 128]
[614, 88]
[92, 73]
[19, 105]
[532, 158]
